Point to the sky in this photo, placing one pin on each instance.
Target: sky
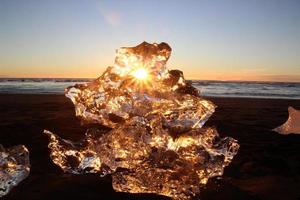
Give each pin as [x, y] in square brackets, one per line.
[210, 40]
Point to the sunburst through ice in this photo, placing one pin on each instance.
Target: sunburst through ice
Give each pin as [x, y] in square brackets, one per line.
[156, 119]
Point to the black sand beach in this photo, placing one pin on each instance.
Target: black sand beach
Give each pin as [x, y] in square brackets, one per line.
[266, 167]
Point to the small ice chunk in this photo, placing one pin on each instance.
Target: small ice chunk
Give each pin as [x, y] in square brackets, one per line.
[14, 167]
[292, 125]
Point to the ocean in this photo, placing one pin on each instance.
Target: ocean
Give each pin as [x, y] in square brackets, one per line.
[249, 89]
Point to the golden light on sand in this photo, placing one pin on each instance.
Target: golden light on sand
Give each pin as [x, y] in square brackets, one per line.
[140, 73]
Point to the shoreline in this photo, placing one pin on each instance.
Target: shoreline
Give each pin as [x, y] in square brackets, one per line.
[203, 96]
[266, 166]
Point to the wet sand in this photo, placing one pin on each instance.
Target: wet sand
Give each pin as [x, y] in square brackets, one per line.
[266, 167]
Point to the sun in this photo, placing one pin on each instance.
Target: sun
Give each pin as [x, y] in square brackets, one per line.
[140, 73]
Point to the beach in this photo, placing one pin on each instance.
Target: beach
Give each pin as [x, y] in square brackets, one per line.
[267, 165]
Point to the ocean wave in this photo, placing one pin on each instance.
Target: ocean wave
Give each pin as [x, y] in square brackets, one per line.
[207, 88]
[28, 80]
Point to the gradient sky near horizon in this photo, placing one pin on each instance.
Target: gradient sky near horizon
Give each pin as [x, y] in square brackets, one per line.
[219, 40]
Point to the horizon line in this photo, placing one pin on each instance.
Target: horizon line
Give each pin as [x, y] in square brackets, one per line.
[189, 79]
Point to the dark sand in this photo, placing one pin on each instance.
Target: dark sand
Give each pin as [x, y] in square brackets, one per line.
[266, 167]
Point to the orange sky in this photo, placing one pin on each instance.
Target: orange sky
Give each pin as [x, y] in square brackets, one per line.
[214, 40]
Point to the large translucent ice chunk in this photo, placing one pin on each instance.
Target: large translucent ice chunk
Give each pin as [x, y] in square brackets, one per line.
[292, 125]
[157, 119]
[14, 167]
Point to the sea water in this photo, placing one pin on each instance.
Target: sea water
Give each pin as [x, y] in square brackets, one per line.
[250, 89]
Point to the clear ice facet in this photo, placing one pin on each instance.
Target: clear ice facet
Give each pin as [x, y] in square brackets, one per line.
[14, 167]
[157, 119]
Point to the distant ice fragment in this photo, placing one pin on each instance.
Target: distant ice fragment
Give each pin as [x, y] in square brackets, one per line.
[14, 167]
[292, 125]
[158, 143]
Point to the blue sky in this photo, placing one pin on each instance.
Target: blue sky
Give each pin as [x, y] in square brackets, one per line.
[224, 40]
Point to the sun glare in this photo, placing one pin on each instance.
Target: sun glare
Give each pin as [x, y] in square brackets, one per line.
[140, 73]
